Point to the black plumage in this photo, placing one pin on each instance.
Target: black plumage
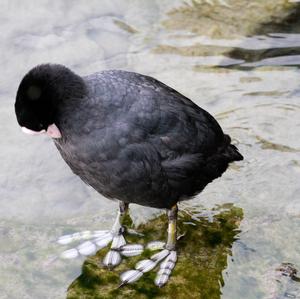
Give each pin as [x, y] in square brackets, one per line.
[127, 135]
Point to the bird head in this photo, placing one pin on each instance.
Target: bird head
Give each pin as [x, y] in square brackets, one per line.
[39, 95]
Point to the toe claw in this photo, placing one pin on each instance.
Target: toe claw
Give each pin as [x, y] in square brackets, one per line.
[170, 261]
[160, 255]
[156, 245]
[134, 232]
[145, 265]
[131, 249]
[161, 280]
[118, 241]
[173, 256]
[130, 276]
[112, 259]
[165, 269]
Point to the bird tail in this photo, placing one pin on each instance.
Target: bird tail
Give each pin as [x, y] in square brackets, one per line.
[230, 151]
[218, 163]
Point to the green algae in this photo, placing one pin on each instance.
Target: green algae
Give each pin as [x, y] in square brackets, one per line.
[202, 256]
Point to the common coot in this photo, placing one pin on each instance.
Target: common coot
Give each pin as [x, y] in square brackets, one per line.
[132, 138]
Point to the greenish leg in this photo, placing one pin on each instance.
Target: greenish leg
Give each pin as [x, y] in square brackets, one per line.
[172, 227]
[166, 258]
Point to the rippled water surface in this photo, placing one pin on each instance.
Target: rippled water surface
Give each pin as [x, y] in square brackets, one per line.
[237, 59]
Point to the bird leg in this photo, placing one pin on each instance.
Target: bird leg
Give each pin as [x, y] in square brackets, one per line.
[118, 246]
[172, 228]
[118, 228]
[100, 239]
[167, 257]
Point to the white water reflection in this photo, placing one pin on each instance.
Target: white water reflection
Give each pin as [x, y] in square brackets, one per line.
[255, 42]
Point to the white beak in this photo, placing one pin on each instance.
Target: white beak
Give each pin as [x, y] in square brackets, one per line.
[30, 132]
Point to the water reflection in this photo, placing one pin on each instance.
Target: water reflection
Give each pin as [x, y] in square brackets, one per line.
[263, 34]
[203, 254]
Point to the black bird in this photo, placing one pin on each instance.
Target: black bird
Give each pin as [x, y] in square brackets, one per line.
[130, 137]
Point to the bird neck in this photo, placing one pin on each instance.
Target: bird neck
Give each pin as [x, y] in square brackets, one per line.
[67, 85]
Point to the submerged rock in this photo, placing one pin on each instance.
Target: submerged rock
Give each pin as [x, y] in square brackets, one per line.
[282, 282]
[202, 256]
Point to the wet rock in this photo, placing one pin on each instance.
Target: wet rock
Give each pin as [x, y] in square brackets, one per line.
[202, 256]
[282, 282]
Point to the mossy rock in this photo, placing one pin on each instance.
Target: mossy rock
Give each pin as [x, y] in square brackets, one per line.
[202, 256]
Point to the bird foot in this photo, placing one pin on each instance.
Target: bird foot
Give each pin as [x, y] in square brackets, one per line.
[166, 258]
[98, 240]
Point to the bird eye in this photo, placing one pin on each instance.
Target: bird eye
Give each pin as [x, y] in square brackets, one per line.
[34, 92]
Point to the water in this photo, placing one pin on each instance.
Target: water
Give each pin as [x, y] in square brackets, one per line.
[238, 60]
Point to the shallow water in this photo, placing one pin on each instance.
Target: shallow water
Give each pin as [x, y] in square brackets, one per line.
[237, 60]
